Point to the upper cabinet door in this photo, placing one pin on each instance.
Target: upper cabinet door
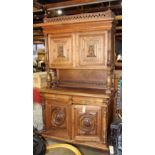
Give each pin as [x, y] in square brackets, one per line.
[92, 49]
[60, 50]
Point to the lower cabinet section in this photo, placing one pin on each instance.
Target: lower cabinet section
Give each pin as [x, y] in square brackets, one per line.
[79, 122]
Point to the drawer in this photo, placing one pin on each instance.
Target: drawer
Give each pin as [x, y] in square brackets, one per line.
[87, 100]
[57, 97]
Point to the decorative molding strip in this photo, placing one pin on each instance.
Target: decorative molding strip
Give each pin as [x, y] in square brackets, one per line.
[80, 17]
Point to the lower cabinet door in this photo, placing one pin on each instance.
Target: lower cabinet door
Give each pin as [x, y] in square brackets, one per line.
[57, 118]
[87, 123]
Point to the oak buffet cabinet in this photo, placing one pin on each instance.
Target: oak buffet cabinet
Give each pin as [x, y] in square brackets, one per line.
[80, 52]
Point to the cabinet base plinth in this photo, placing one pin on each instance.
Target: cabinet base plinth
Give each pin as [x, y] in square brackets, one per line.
[96, 145]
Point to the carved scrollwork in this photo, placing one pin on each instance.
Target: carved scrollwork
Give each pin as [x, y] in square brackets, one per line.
[58, 117]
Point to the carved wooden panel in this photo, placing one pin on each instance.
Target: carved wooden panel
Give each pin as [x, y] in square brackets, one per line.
[57, 118]
[60, 50]
[92, 48]
[87, 123]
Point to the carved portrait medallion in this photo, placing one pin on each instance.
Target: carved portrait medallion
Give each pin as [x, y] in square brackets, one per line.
[60, 50]
[91, 51]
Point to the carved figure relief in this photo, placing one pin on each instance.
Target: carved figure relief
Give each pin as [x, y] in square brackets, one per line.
[60, 51]
[91, 51]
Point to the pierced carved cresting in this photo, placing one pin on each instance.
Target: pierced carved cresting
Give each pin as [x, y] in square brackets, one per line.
[58, 117]
[80, 17]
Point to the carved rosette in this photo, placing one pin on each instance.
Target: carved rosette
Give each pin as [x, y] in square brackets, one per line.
[87, 123]
[58, 117]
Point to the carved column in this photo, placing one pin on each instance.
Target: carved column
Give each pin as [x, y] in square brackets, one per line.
[46, 51]
[109, 49]
[109, 81]
[104, 117]
[43, 111]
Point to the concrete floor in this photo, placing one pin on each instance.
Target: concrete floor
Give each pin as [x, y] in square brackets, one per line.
[82, 149]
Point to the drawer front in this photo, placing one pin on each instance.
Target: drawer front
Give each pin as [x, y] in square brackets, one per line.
[57, 118]
[87, 100]
[87, 123]
[55, 97]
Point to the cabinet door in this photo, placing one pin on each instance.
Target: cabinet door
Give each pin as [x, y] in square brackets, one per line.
[87, 123]
[92, 48]
[60, 50]
[57, 118]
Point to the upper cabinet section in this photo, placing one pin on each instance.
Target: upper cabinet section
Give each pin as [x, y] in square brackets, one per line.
[83, 41]
[60, 50]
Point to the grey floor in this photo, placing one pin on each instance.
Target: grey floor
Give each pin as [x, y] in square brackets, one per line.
[82, 149]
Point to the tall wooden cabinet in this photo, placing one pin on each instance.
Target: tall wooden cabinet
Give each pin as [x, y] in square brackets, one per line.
[80, 50]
